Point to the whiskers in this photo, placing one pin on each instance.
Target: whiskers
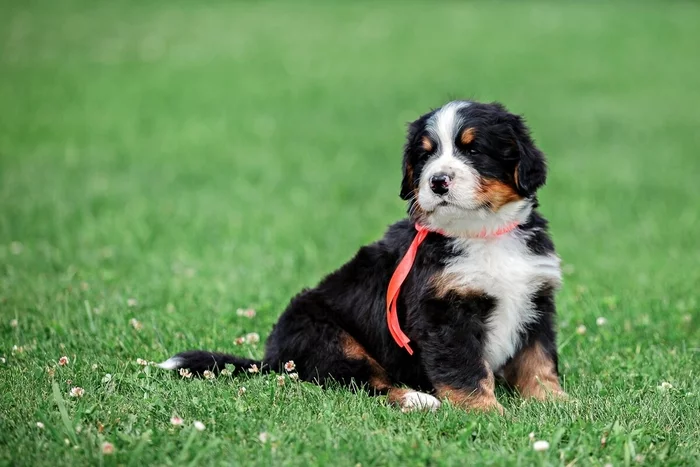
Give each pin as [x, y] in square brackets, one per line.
[415, 211]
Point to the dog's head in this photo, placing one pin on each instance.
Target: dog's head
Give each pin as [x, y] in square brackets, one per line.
[470, 166]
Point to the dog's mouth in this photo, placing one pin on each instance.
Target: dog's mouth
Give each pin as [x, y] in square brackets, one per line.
[450, 205]
[442, 204]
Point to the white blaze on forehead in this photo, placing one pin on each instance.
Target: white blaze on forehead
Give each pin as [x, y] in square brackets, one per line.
[445, 123]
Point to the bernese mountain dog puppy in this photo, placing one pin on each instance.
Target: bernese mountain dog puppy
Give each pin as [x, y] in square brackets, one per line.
[457, 294]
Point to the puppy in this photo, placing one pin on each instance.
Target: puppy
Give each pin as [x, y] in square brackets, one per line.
[460, 292]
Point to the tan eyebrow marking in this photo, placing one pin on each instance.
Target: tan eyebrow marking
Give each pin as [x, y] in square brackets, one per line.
[426, 144]
[468, 135]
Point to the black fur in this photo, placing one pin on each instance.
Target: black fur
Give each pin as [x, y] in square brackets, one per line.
[447, 331]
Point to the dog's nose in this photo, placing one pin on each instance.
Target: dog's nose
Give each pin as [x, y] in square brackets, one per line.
[440, 183]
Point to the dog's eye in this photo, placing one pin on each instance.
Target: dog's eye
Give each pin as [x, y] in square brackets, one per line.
[466, 141]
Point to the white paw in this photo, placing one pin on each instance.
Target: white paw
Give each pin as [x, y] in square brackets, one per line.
[172, 363]
[415, 400]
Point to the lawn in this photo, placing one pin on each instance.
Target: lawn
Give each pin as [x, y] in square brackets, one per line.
[164, 164]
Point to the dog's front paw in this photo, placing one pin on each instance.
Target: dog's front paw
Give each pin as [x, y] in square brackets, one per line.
[542, 393]
[544, 390]
[498, 408]
[484, 405]
[481, 399]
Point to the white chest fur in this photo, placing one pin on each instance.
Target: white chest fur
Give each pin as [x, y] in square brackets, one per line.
[505, 269]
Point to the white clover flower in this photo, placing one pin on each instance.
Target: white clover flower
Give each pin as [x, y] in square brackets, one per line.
[252, 338]
[16, 248]
[247, 312]
[199, 426]
[77, 392]
[540, 446]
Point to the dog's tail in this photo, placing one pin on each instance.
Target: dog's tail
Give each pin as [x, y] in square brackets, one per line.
[199, 361]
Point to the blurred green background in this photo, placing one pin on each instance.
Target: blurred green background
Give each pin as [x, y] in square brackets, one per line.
[200, 157]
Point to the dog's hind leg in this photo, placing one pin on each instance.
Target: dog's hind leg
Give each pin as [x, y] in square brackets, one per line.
[379, 382]
[326, 354]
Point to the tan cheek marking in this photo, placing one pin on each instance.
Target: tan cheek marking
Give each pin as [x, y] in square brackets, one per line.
[533, 374]
[496, 193]
[467, 135]
[427, 144]
[483, 398]
[409, 174]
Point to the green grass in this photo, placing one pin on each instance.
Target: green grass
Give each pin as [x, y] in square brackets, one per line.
[203, 157]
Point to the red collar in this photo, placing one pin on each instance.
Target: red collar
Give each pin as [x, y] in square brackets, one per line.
[402, 270]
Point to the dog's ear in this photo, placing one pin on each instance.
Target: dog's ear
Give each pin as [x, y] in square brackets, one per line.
[407, 183]
[531, 171]
[531, 168]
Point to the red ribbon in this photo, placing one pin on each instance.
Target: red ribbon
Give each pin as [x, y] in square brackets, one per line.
[392, 293]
